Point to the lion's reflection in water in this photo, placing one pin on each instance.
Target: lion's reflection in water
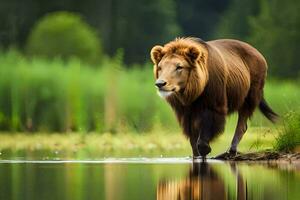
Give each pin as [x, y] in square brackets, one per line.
[202, 183]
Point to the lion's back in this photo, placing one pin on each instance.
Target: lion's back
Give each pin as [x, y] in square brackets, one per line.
[239, 54]
[246, 68]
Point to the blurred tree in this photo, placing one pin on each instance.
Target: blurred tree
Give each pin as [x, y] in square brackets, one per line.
[137, 25]
[134, 25]
[276, 32]
[199, 17]
[12, 21]
[235, 21]
[18, 17]
[64, 34]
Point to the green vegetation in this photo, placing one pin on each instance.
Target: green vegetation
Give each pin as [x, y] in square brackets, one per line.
[76, 85]
[61, 96]
[65, 35]
[289, 137]
[126, 144]
[271, 27]
[101, 145]
[39, 95]
[60, 77]
[275, 31]
[137, 25]
[235, 21]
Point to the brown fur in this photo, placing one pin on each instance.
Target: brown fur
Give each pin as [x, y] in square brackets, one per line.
[217, 78]
[202, 182]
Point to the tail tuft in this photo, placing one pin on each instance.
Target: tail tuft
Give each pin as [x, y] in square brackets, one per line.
[267, 111]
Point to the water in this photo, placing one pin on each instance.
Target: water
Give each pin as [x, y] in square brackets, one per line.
[142, 178]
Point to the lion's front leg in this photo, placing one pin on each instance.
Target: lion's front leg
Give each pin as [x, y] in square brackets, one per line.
[212, 124]
[200, 147]
[203, 147]
[193, 141]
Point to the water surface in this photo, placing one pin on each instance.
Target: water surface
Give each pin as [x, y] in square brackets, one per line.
[144, 178]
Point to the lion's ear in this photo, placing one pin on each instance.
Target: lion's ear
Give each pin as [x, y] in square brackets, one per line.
[193, 53]
[156, 54]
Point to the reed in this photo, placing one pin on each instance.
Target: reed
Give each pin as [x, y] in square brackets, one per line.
[63, 96]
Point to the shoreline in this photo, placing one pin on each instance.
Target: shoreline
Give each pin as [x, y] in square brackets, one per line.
[266, 156]
[99, 146]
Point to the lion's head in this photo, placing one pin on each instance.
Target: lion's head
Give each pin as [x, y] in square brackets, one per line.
[180, 69]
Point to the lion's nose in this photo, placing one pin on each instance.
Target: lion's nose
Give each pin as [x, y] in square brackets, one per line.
[160, 83]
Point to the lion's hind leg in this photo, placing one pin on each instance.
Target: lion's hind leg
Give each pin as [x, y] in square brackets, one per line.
[238, 134]
[244, 113]
[240, 130]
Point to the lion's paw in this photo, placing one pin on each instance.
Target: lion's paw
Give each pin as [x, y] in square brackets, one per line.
[228, 155]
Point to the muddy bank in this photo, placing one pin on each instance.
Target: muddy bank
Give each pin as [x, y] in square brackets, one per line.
[265, 156]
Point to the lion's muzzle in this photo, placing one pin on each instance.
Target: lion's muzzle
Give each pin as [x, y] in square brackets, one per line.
[160, 83]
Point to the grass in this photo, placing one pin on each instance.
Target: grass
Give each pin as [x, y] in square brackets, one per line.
[62, 96]
[288, 138]
[111, 110]
[155, 144]
[39, 95]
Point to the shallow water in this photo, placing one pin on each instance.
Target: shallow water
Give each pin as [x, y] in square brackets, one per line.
[146, 178]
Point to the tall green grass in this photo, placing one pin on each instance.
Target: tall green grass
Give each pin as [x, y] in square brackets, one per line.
[43, 95]
[282, 96]
[61, 96]
[289, 137]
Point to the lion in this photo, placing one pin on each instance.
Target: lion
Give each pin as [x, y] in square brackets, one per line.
[202, 182]
[206, 81]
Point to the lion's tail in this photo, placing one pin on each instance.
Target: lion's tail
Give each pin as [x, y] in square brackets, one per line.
[267, 111]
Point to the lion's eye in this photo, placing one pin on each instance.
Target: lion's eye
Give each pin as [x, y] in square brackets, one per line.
[158, 68]
[178, 68]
